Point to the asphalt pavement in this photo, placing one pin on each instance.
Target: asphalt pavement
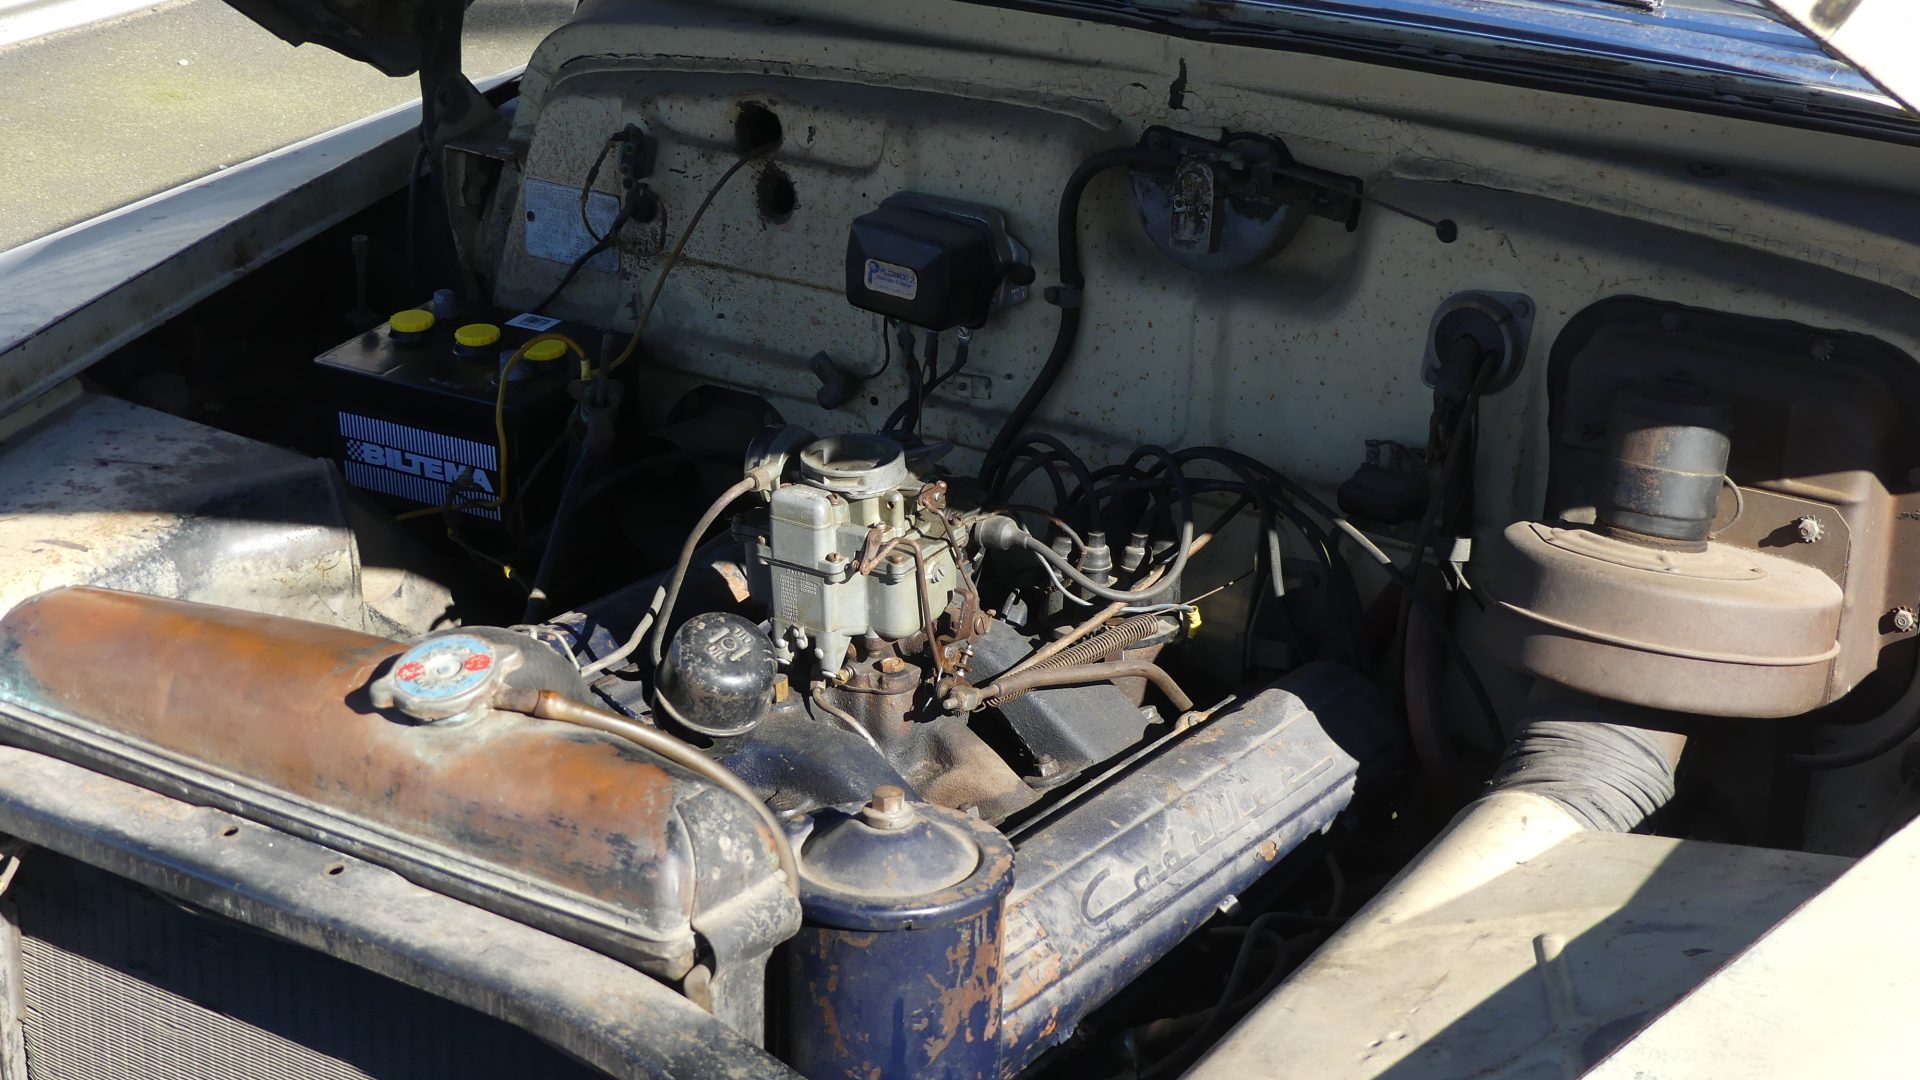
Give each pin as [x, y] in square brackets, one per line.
[99, 115]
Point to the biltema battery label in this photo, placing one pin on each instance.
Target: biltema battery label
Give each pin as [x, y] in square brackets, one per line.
[417, 465]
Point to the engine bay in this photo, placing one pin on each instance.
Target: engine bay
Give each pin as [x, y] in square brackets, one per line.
[1056, 540]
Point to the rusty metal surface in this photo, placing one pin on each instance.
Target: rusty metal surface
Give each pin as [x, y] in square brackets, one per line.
[1108, 886]
[593, 1006]
[946, 761]
[575, 830]
[897, 972]
[1723, 631]
[1816, 416]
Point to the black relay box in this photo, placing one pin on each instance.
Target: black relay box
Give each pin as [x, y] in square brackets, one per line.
[411, 404]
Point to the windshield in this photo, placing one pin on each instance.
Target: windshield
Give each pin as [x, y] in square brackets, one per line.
[1729, 52]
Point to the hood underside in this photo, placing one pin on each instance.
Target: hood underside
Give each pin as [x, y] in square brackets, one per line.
[1878, 37]
[392, 35]
[399, 37]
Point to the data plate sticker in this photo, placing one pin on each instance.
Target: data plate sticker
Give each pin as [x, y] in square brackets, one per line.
[892, 279]
[554, 231]
[529, 321]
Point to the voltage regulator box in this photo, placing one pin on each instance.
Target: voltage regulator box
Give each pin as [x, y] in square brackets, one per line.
[411, 407]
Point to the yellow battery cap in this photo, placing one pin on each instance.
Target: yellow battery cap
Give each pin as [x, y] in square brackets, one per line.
[546, 349]
[411, 321]
[477, 335]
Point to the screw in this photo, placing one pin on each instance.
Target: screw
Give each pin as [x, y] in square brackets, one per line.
[1904, 620]
[1822, 349]
[1808, 529]
[892, 665]
[833, 556]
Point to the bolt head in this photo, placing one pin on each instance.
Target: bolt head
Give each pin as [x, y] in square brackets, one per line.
[1808, 529]
[889, 808]
[1905, 619]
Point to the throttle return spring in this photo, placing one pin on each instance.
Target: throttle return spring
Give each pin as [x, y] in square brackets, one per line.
[1118, 636]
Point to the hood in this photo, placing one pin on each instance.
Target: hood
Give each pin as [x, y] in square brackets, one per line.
[400, 37]
[1719, 39]
[1879, 37]
[392, 35]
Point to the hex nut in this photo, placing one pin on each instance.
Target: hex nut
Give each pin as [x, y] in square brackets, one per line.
[889, 808]
[1807, 529]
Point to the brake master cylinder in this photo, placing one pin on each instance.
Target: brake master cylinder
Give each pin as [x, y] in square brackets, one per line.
[856, 545]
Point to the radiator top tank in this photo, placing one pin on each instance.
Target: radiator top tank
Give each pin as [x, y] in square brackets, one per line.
[571, 830]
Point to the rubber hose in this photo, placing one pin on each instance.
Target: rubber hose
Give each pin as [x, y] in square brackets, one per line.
[1072, 281]
[1611, 777]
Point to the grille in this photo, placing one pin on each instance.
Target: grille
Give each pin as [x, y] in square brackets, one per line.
[123, 984]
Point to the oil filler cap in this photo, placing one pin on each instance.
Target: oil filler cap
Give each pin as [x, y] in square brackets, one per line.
[717, 676]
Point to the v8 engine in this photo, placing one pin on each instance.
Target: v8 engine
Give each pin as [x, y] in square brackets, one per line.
[974, 542]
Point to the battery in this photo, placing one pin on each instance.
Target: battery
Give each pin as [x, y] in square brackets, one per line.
[412, 405]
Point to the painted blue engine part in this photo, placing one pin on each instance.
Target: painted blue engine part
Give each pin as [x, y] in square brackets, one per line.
[1116, 879]
[896, 971]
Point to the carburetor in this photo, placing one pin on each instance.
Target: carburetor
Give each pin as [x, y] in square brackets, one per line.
[855, 545]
